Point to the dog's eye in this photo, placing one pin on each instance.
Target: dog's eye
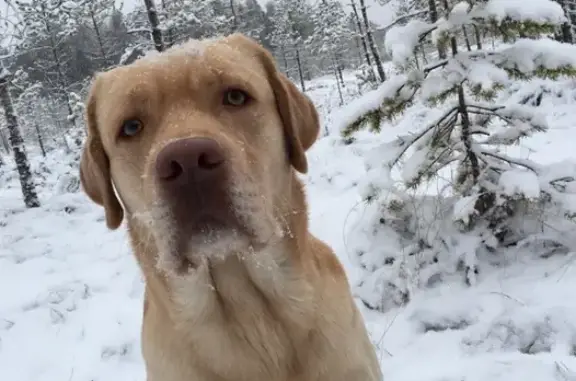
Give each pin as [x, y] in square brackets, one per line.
[131, 127]
[235, 97]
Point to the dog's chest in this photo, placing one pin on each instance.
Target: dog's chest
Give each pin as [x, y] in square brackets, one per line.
[242, 321]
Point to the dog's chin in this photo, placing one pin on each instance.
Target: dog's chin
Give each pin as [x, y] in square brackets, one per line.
[185, 241]
[215, 242]
[189, 247]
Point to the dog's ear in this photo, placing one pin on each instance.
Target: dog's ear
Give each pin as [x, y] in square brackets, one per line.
[95, 166]
[298, 113]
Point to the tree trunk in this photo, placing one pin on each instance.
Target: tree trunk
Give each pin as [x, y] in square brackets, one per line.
[154, 25]
[477, 37]
[423, 53]
[234, 17]
[66, 145]
[40, 139]
[300, 72]
[99, 38]
[17, 143]
[336, 74]
[416, 60]
[566, 28]
[63, 137]
[285, 59]
[433, 11]
[170, 38]
[466, 39]
[340, 68]
[5, 143]
[371, 43]
[358, 46]
[58, 63]
[567, 33]
[362, 36]
[466, 124]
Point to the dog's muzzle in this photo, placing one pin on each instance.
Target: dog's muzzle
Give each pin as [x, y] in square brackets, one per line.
[193, 177]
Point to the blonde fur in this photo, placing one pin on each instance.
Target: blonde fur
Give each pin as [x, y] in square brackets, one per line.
[271, 303]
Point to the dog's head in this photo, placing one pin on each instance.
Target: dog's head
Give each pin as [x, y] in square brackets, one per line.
[200, 143]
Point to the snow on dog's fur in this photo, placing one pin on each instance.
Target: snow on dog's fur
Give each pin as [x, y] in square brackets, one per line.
[255, 297]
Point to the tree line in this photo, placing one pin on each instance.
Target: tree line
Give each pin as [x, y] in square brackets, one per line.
[51, 49]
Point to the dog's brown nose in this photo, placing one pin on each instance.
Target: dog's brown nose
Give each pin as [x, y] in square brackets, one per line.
[187, 162]
[192, 176]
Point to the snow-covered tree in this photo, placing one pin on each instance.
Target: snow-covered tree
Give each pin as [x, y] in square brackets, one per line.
[76, 106]
[290, 18]
[367, 75]
[567, 28]
[404, 7]
[466, 141]
[169, 22]
[29, 103]
[252, 20]
[95, 14]
[331, 30]
[371, 43]
[17, 143]
[44, 26]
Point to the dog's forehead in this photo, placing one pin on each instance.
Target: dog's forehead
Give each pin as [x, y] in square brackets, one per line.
[197, 61]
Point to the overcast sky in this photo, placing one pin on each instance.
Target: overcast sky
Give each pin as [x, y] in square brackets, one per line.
[376, 13]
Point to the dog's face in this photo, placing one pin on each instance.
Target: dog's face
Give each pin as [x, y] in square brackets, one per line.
[199, 142]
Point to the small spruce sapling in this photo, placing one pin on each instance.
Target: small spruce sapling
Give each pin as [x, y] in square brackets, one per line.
[468, 139]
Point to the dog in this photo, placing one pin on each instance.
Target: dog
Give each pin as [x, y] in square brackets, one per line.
[198, 149]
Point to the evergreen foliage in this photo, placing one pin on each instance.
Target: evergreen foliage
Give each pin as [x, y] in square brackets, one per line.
[467, 142]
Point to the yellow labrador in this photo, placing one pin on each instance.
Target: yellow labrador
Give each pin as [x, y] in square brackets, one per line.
[201, 144]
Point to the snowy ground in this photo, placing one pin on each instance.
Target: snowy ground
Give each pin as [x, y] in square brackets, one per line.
[60, 269]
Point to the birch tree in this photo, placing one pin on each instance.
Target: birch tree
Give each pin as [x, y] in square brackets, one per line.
[17, 143]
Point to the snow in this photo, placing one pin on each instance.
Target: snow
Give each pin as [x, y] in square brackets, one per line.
[401, 40]
[527, 55]
[372, 100]
[69, 5]
[520, 182]
[543, 11]
[4, 73]
[60, 268]
[464, 208]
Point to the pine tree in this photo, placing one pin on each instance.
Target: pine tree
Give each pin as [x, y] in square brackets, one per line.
[567, 28]
[252, 20]
[489, 187]
[367, 75]
[95, 13]
[371, 42]
[290, 18]
[45, 26]
[331, 30]
[30, 103]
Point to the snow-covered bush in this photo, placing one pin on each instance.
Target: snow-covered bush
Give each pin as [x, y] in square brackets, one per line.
[490, 201]
[75, 117]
